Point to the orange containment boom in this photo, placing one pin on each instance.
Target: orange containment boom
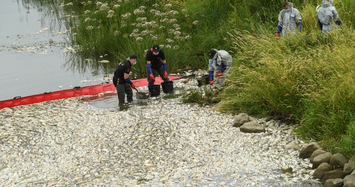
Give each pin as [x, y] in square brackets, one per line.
[75, 92]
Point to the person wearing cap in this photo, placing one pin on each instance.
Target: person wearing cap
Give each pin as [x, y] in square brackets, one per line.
[327, 15]
[289, 20]
[219, 61]
[155, 59]
[121, 79]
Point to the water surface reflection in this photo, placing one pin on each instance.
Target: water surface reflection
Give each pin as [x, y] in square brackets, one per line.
[33, 52]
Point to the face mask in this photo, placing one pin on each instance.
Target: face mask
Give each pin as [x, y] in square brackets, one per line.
[331, 2]
[214, 58]
[134, 63]
[156, 53]
[287, 10]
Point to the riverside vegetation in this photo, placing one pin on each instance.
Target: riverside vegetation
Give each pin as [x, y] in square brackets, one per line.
[307, 78]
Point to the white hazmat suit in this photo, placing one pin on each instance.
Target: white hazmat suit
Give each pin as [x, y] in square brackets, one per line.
[327, 15]
[289, 20]
[221, 64]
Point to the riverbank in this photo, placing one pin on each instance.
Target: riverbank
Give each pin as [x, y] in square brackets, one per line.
[161, 143]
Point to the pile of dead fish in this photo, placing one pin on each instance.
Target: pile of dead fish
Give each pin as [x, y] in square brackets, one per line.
[164, 143]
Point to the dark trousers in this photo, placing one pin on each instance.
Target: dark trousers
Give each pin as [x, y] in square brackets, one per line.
[122, 91]
[160, 71]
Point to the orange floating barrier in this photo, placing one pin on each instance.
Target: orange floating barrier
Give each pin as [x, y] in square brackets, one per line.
[75, 92]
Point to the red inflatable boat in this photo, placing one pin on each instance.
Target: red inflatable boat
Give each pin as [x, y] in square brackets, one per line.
[75, 92]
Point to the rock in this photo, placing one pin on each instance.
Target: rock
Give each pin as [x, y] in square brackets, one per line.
[325, 157]
[321, 169]
[338, 160]
[292, 145]
[349, 181]
[334, 183]
[252, 127]
[349, 167]
[307, 151]
[316, 153]
[338, 173]
[349, 185]
[240, 119]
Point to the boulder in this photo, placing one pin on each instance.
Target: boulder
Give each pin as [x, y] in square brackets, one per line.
[349, 185]
[334, 174]
[307, 151]
[334, 183]
[349, 167]
[252, 127]
[349, 181]
[321, 169]
[325, 157]
[338, 160]
[316, 153]
[240, 119]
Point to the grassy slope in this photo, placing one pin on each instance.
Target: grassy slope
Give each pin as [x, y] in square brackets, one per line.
[308, 78]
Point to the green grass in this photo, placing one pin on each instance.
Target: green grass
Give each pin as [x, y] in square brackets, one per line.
[142, 180]
[171, 96]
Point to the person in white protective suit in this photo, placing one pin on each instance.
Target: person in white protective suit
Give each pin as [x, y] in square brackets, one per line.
[219, 61]
[289, 20]
[327, 16]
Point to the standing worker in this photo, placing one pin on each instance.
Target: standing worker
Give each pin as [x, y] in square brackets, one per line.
[155, 59]
[219, 61]
[326, 14]
[289, 19]
[121, 79]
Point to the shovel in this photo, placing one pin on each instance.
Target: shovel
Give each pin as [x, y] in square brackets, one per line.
[141, 95]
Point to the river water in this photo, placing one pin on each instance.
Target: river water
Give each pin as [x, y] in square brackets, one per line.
[33, 55]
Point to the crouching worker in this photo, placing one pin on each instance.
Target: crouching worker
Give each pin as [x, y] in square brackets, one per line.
[219, 62]
[121, 79]
[156, 62]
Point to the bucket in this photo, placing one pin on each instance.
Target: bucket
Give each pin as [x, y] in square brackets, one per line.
[154, 90]
[204, 80]
[167, 86]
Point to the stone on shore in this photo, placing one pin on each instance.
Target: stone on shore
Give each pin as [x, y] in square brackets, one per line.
[338, 160]
[252, 127]
[318, 160]
[307, 151]
[240, 119]
[321, 169]
[334, 183]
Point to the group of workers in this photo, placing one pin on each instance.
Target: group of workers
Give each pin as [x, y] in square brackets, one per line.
[220, 61]
[290, 19]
